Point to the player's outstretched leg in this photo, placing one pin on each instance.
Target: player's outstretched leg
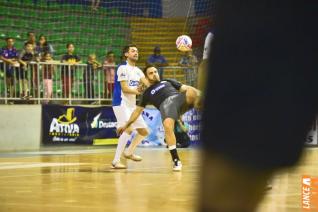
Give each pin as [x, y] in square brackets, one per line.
[168, 125]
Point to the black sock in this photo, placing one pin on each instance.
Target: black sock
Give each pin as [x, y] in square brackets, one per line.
[174, 155]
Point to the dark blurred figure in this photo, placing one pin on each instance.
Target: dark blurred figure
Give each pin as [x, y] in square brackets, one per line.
[261, 98]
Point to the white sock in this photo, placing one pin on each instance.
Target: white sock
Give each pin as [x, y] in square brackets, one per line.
[134, 143]
[122, 141]
[172, 147]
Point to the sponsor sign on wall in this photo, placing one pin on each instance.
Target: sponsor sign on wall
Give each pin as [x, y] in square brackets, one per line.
[78, 125]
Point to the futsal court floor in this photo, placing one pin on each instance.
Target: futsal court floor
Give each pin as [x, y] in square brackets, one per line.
[81, 179]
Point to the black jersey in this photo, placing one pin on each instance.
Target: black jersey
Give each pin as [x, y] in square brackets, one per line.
[27, 56]
[160, 91]
[69, 58]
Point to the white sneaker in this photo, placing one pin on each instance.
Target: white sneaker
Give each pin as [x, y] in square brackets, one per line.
[118, 165]
[133, 157]
[177, 166]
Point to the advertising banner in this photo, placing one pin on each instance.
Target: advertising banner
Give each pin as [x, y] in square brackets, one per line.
[77, 125]
[193, 119]
[156, 135]
[152, 117]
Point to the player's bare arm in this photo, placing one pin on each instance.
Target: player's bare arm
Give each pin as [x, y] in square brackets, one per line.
[126, 89]
[193, 95]
[143, 85]
[185, 88]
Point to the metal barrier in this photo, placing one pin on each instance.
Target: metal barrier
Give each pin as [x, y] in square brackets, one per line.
[43, 82]
[186, 75]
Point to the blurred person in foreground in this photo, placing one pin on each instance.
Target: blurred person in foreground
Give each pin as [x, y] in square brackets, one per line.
[260, 101]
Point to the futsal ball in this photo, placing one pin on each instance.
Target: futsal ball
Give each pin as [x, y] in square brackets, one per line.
[184, 43]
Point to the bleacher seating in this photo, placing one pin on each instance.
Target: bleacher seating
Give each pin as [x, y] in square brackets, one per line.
[90, 31]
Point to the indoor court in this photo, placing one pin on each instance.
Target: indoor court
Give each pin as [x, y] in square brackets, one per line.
[80, 179]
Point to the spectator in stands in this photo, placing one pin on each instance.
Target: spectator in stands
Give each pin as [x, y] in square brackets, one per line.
[9, 56]
[189, 61]
[48, 71]
[31, 39]
[89, 76]
[109, 70]
[157, 60]
[95, 4]
[43, 46]
[34, 68]
[27, 55]
[67, 73]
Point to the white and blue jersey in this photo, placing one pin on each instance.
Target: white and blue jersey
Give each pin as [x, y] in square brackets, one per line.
[132, 75]
[124, 104]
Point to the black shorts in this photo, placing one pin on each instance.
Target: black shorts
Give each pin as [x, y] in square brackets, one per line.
[171, 107]
[10, 71]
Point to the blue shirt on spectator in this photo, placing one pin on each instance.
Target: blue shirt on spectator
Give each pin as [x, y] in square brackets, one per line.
[156, 59]
[9, 53]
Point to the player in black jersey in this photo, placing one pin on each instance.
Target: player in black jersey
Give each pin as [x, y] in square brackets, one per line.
[172, 99]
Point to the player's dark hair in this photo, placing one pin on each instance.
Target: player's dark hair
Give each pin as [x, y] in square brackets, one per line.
[146, 68]
[126, 48]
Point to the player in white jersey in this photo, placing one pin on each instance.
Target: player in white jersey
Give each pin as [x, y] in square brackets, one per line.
[127, 86]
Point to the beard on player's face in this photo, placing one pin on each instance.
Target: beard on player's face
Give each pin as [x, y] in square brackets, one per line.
[153, 78]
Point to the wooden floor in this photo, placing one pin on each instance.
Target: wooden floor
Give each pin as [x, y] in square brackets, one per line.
[81, 180]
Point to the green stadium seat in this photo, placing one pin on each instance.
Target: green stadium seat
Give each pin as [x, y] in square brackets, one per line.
[35, 25]
[20, 23]
[6, 22]
[61, 23]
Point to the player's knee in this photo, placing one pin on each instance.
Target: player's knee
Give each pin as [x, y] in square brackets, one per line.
[128, 131]
[191, 96]
[143, 132]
